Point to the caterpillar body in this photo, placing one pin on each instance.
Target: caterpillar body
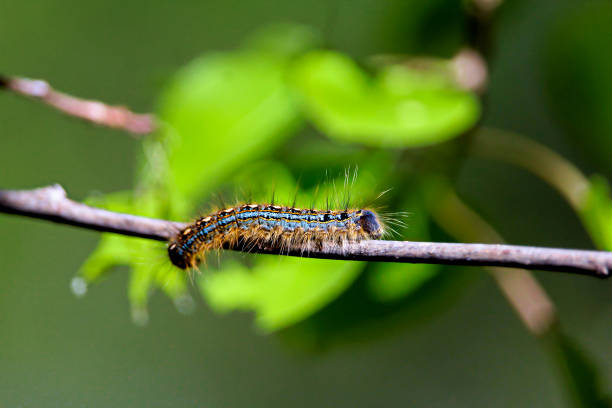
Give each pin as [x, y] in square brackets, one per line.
[285, 228]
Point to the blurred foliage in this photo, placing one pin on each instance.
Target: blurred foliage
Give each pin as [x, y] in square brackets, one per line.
[297, 111]
[581, 376]
[284, 290]
[596, 212]
[363, 311]
[225, 111]
[578, 66]
[400, 107]
[283, 118]
[579, 87]
[280, 291]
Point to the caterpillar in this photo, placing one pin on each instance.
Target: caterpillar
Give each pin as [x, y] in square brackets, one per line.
[285, 228]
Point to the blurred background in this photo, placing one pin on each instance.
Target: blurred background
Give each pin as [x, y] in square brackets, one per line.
[253, 95]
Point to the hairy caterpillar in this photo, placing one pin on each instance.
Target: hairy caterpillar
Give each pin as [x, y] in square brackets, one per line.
[286, 228]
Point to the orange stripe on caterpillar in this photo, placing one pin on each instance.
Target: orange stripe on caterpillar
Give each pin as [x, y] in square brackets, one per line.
[285, 228]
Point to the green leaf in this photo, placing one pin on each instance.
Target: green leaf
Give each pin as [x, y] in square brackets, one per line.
[114, 250]
[147, 275]
[110, 252]
[281, 291]
[399, 107]
[149, 267]
[222, 110]
[596, 212]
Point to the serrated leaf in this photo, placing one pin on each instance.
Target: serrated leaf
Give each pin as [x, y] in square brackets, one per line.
[398, 108]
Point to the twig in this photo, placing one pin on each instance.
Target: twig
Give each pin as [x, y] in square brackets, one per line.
[51, 203]
[117, 117]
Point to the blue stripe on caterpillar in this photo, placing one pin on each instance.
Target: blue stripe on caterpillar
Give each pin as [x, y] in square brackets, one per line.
[276, 226]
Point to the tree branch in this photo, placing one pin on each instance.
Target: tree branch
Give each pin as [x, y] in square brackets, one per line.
[51, 203]
[117, 117]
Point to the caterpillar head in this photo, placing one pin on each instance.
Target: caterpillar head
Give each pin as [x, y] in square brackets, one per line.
[177, 255]
[370, 224]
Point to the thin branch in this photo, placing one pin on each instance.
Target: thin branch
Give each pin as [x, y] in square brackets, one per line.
[117, 117]
[51, 203]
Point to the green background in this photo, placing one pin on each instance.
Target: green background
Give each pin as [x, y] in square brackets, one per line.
[56, 350]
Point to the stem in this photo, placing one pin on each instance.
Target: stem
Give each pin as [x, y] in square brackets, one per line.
[51, 203]
[117, 117]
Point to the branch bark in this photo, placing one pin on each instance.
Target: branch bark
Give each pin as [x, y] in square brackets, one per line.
[118, 117]
[51, 203]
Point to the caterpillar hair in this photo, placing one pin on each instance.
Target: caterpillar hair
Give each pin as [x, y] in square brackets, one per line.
[284, 228]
